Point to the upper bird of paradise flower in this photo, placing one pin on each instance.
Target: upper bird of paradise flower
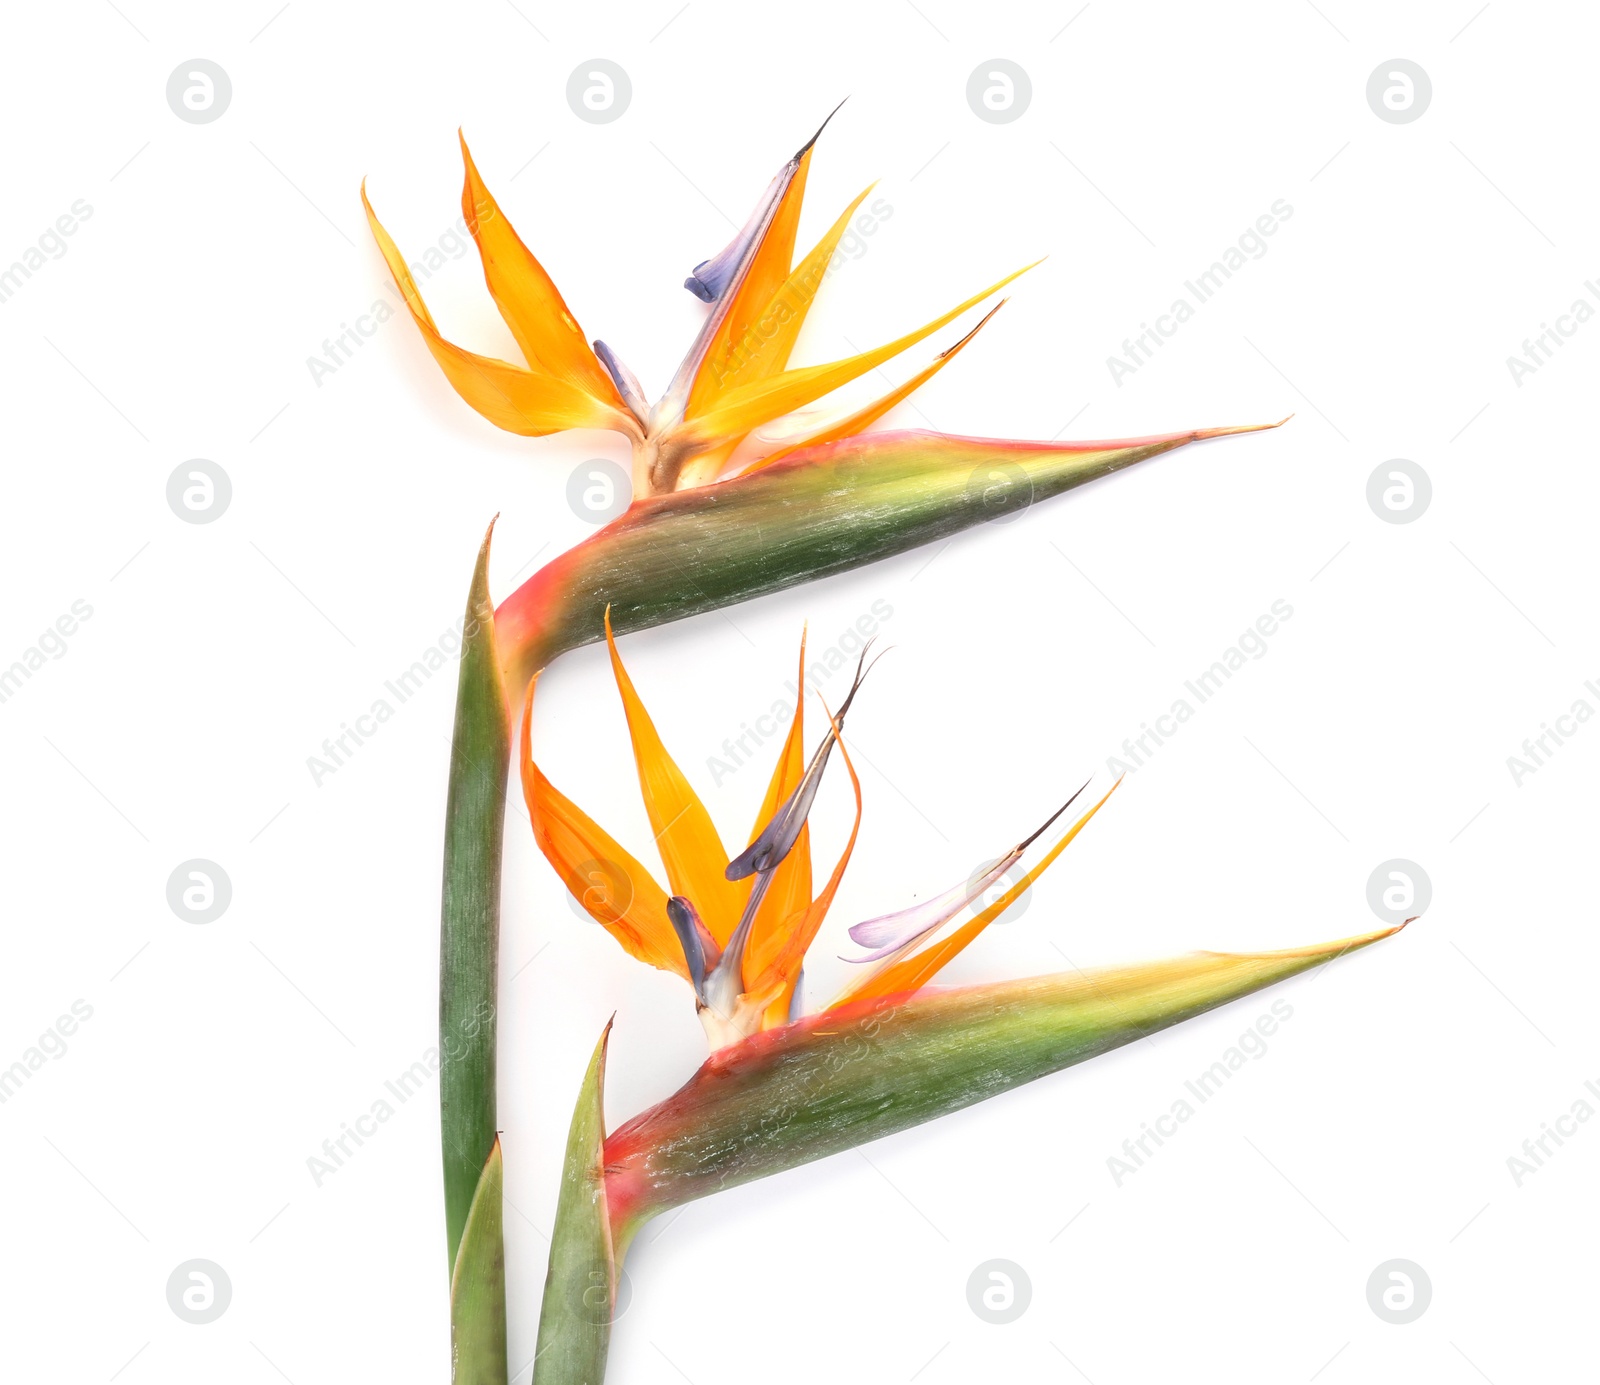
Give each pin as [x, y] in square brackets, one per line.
[734, 380]
[738, 929]
[740, 486]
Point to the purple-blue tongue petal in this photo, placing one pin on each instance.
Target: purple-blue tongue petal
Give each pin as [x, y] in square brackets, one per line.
[698, 286]
[714, 280]
[891, 932]
[725, 983]
[700, 949]
[711, 277]
[626, 381]
[776, 840]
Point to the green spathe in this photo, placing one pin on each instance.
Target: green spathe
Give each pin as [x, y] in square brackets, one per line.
[824, 510]
[839, 1079]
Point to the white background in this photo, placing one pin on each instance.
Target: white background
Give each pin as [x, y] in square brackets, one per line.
[177, 724]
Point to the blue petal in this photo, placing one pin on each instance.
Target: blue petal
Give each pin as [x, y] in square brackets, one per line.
[719, 277]
[711, 277]
[626, 381]
[694, 938]
[892, 933]
[776, 840]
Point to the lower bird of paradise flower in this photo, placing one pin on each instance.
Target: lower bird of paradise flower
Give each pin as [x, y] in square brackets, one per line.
[782, 1088]
[738, 929]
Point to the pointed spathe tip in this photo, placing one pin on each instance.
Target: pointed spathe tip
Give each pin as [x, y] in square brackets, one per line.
[1201, 434]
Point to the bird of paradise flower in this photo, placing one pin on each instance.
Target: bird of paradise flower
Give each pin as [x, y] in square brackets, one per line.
[742, 486]
[782, 1086]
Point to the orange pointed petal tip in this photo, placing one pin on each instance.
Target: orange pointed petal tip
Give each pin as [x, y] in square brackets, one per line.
[789, 892]
[544, 327]
[775, 840]
[616, 891]
[862, 419]
[520, 400]
[739, 283]
[747, 406]
[910, 973]
[690, 847]
[774, 968]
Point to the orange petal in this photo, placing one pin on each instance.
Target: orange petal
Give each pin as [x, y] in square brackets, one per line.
[768, 336]
[790, 890]
[520, 401]
[747, 406]
[767, 274]
[691, 850]
[916, 971]
[617, 891]
[784, 952]
[864, 418]
[528, 299]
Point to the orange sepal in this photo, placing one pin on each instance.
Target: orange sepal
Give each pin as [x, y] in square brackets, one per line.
[580, 850]
[527, 297]
[864, 418]
[691, 849]
[528, 402]
[789, 892]
[767, 343]
[747, 406]
[769, 269]
[778, 963]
